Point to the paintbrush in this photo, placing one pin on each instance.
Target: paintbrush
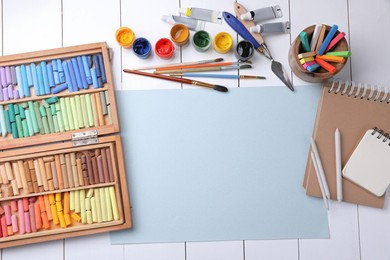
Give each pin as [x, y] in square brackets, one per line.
[232, 67]
[213, 64]
[221, 76]
[181, 80]
[180, 63]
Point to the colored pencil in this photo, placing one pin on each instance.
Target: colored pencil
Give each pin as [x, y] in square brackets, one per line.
[232, 67]
[180, 63]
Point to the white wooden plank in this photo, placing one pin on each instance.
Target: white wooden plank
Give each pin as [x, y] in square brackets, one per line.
[166, 251]
[344, 236]
[94, 21]
[146, 22]
[31, 25]
[271, 249]
[227, 250]
[369, 41]
[52, 250]
[97, 247]
[306, 13]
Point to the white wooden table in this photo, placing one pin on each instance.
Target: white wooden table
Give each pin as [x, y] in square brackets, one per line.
[356, 232]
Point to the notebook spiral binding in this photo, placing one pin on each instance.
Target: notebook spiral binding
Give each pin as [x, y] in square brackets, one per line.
[381, 135]
[360, 90]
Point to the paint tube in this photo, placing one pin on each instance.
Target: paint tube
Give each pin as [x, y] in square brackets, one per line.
[280, 27]
[192, 24]
[262, 14]
[202, 14]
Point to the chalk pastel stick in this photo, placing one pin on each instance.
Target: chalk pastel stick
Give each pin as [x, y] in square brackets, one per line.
[103, 103]
[68, 220]
[45, 124]
[40, 90]
[27, 222]
[82, 72]
[105, 166]
[100, 168]
[320, 38]
[76, 217]
[3, 77]
[101, 67]
[3, 123]
[61, 218]
[59, 88]
[67, 77]
[55, 175]
[72, 75]
[54, 214]
[99, 109]
[71, 201]
[7, 214]
[77, 201]
[69, 170]
[304, 41]
[64, 114]
[344, 54]
[77, 73]
[33, 117]
[114, 204]
[8, 77]
[82, 207]
[326, 65]
[103, 204]
[13, 75]
[332, 58]
[45, 220]
[327, 39]
[5, 96]
[59, 171]
[80, 172]
[31, 211]
[50, 74]
[80, 119]
[69, 113]
[50, 120]
[88, 102]
[108, 203]
[335, 40]
[38, 220]
[93, 210]
[94, 78]
[19, 80]
[84, 111]
[30, 81]
[45, 77]
[55, 72]
[42, 171]
[87, 71]
[61, 72]
[14, 223]
[19, 126]
[3, 227]
[22, 229]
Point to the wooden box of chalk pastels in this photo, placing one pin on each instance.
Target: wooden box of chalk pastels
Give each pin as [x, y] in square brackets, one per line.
[62, 171]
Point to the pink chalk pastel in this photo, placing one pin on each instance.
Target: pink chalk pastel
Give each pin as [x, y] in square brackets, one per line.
[15, 227]
[22, 229]
[7, 213]
[27, 223]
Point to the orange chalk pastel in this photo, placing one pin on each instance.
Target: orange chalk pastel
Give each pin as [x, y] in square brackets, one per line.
[47, 206]
[68, 220]
[76, 217]
[66, 203]
[325, 65]
[332, 58]
[45, 221]
[62, 219]
[38, 220]
[42, 203]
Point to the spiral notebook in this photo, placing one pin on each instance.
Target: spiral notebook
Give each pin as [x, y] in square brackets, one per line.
[353, 108]
[369, 163]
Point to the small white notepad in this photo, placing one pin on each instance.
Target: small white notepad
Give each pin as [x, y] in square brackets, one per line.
[369, 164]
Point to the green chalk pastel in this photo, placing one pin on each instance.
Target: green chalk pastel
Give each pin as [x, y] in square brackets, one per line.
[19, 126]
[80, 119]
[64, 114]
[45, 125]
[56, 126]
[58, 107]
[7, 122]
[344, 54]
[60, 121]
[31, 107]
[11, 112]
[42, 111]
[14, 130]
[50, 120]
[22, 112]
[109, 114]
[38, 117]
[52, 100]
[103, 103]
[107, 97]
[24, 105]
[29, 123]
[69, 113]
[53, 109]
[16, 109]
[84, 111]
[74, 113]
[45, 104]
[25, 128]
[89, 110]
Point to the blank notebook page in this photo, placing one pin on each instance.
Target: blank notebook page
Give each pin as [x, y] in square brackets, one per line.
[369, 164]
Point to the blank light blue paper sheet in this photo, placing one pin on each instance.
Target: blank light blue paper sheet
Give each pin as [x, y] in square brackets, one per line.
[205, 166]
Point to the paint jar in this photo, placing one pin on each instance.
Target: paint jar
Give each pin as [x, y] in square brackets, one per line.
[244, 50]
[124, 37]
[223, 42]
[179, 34]
[201, 41]
[319, 75]
[164, 48]
[142, 48]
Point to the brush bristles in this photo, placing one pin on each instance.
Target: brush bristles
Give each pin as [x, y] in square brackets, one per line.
[220, 88]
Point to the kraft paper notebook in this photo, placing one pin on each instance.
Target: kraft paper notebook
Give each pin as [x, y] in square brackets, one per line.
[353, 108]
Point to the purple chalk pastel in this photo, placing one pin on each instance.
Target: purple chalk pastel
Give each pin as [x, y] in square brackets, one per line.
[2, 76]
[1, 95]
[10, 92]
[8, 77]
[5, 94]
[16, 94]
[13, 75]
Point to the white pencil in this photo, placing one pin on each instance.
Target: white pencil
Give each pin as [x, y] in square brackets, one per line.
[339, 178]
[319, 180]
[320, 168]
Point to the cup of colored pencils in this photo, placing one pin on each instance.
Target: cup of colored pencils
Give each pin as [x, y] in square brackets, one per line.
[318, 53]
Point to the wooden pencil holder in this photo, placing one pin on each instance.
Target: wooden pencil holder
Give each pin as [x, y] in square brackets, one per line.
[62, 172]
[320, 75]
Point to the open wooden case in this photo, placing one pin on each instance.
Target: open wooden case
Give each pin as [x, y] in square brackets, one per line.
[62, 171]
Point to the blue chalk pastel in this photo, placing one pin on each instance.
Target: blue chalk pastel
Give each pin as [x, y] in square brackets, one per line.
[45, 77]
[77, 73]
[101, 66]
[61, 73]
[313, 67]
[72, 75]
[100, 82]
[29, 76]
[26, 88]
[327, 39]
[82, 72]
[67, 76]
[87, 69]
[59, 88]
[40, 80]
[96, 64]
[2, 76]
[50, 75]
[19, 81]
[94, 78]
[55, 72]
[8, 76]
[13, 75]
[33, 68]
